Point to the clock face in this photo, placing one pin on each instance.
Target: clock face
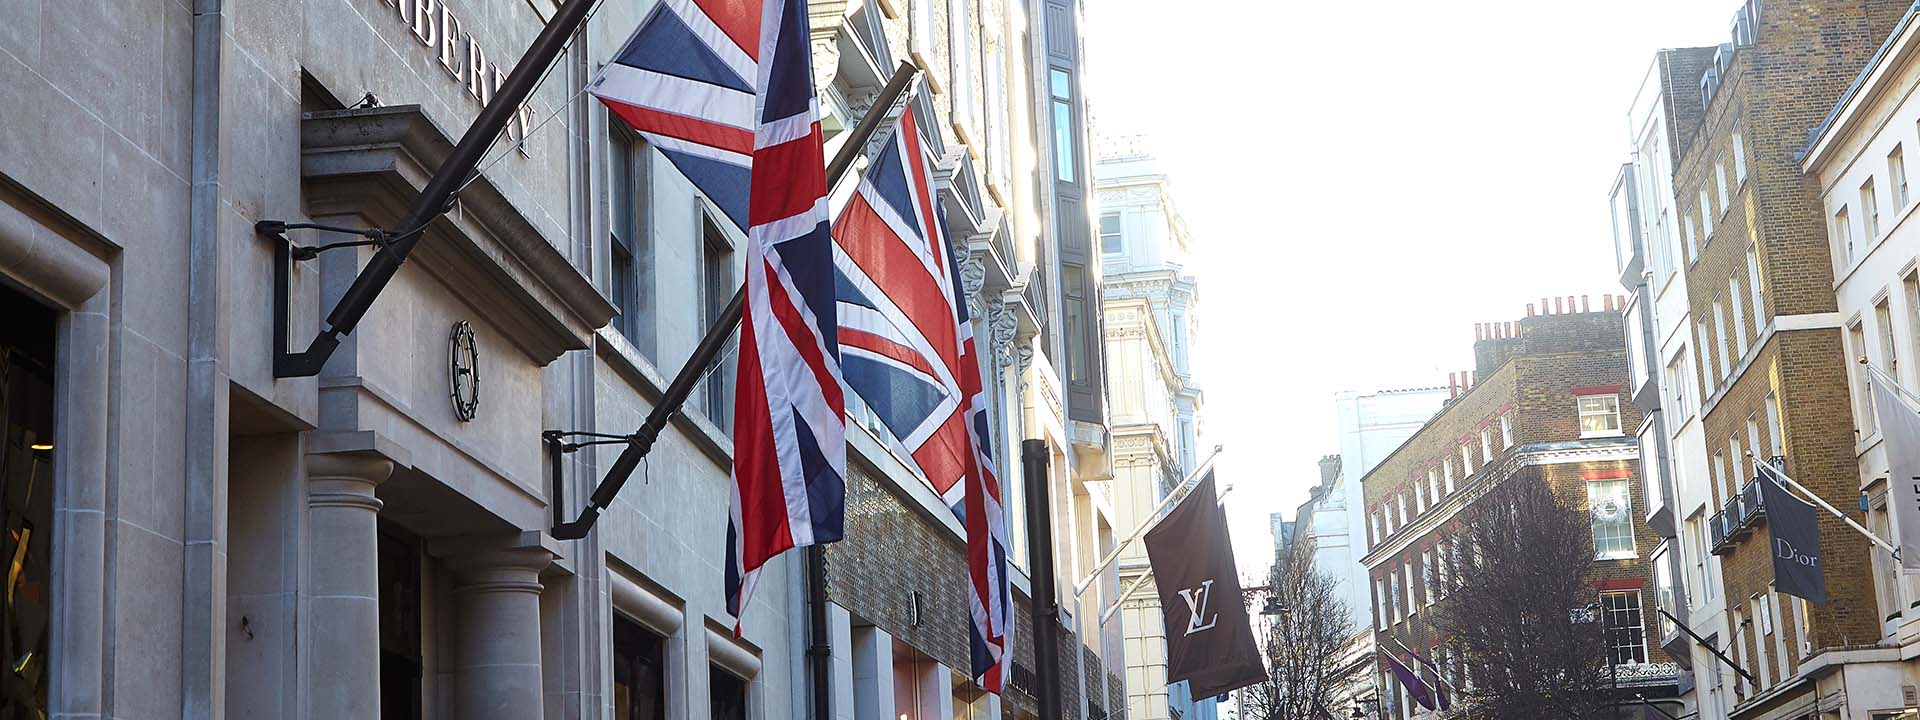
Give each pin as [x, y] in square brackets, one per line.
[463, 371]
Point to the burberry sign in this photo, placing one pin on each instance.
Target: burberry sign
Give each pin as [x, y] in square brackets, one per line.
[434, 24]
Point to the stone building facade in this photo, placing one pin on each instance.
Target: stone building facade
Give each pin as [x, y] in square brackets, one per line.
[1150, 312]
[1545, 404]
[214, 540]
[1856, 161]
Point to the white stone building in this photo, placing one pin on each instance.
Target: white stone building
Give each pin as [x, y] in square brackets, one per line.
[1858, 159]
[200, 538]
[1154, 402]
[1648, 236]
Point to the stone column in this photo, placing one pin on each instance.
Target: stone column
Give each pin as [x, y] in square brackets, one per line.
[497, 655]
[343, 585]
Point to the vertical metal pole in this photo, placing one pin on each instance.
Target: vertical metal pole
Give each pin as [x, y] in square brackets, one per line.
[1046, 605]
[819, 647]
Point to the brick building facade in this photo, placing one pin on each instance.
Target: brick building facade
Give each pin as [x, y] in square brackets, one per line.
[1546, 403]
[1768, 352]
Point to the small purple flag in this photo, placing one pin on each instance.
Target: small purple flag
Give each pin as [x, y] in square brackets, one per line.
[1411, 681]
[1439, 680]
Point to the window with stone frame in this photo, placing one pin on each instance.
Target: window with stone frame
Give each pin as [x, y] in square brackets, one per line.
[727, 695]
[1626, 631]
[1111, 239]
[639, 672]
[1599, 415]
[629, 250]
[717, 286]
[1611, 509]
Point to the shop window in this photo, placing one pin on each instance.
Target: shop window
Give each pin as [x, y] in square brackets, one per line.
[400, 611]
[639, 672]
[26, 466]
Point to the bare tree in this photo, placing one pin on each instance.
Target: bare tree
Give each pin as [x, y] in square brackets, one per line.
[1515, 616]
[1302, 633]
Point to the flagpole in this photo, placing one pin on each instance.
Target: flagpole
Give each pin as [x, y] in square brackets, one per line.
[708, 351]
[1815, 499]
[1173, 496]
[1879, 375]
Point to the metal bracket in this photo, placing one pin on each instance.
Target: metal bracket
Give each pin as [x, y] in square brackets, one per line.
[558, 446]
[307, 362]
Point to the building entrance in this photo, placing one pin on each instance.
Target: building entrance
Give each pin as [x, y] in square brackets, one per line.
[26, 503]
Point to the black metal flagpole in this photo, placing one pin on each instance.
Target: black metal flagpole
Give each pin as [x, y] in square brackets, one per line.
[708, 351]
[436, 196]
[1045, 607]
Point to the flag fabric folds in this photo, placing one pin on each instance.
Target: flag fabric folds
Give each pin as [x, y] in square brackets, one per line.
[1209, 636]
[1900, 427]
[908, 350]
[1410, 680]
[1440, 694]
[724, 88]
[1793, 531]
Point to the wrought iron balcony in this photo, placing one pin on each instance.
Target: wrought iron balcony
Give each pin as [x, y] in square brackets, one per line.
[1738, 517]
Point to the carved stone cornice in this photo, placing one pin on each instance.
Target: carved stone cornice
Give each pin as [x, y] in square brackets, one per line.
[372, 162]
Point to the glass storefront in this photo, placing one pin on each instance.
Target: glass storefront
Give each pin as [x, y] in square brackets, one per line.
[26, 505]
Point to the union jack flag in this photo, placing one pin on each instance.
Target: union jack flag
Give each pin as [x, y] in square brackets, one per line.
[724, 88]
[908, 350]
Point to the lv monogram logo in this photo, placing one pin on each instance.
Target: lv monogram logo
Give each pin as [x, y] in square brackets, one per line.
[1197, 607]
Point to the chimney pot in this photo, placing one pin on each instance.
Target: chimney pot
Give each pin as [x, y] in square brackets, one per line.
[1479, 331]
[1556, 306]
[1584, 305]
[1529, 309]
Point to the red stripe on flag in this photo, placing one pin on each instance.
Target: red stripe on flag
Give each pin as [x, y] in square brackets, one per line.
[877, 345]
[806, 340]
[943, 457]
[872, 245]
[739, 19]
[787, 179]
[909, 129]
[764, 529]
[681, 127]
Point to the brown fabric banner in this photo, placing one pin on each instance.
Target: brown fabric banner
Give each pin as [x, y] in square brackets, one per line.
[1209, 636]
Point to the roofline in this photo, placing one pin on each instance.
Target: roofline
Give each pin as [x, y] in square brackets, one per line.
[1819, 139]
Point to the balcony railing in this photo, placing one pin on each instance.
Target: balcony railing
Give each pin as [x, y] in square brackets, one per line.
[1738, 517]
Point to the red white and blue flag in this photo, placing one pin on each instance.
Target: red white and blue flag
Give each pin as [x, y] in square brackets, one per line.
[724, 88]
[907, 348]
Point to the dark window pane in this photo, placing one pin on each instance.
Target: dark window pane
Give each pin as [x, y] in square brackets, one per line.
[728, 695]
[639, 672]
[400, 610]
[718, 286]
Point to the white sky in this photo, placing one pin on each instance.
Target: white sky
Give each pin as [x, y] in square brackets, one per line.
[1365, 181]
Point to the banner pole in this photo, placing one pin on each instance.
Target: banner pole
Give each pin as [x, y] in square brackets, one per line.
[1173, 496]
[1815, 499]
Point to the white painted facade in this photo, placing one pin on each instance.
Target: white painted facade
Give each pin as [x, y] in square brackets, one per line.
[1650, 255]
[1859, 160]
[1371, 426]
[1154, 403]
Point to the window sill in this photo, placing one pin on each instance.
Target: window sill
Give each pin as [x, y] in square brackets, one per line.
[627, 361]
[1612, 558]
[1607, 434]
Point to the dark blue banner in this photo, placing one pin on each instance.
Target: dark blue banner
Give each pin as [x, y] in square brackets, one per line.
[1793, 538]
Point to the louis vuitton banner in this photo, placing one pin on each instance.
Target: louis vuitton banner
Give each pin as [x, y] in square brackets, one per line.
[1209, 636]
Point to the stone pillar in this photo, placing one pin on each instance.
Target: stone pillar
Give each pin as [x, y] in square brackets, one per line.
[343, 585]
[496, 660]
